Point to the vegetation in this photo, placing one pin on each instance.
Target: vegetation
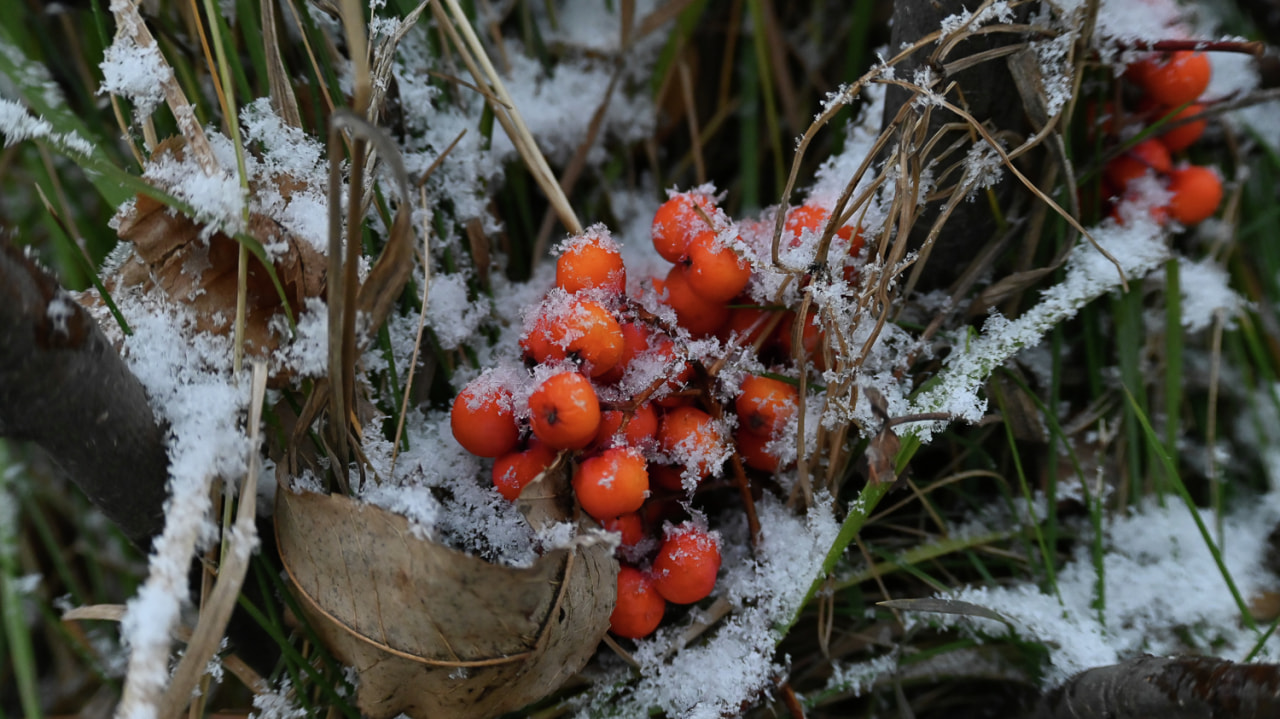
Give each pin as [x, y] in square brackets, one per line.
[1053, 349]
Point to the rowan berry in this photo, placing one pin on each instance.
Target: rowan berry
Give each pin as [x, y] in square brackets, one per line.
[629, 526]
[572, 327]
[611, 483]
[677, 221]
[639, 607]
[1197, 192]
[483, 420]
[685, 568]
[691, 438]
[765, 405]
[1183, 136]
[716, 272]
[696, 314]
[1181, 78]
[1136, 161]
[811, 341]
[635, 339]
[641, 429]
[591, 261]
[565, 412]
[666, 476]
[747, 323]
[814, 219]
[514, 470]
[751, 448]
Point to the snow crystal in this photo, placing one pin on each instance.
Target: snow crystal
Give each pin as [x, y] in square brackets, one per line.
[1206, 291]
[277, 704]
[1163, 590]
[17, 125]
[136, 72]
[446, 494]
[995, 12]
[451, 314]
[188, 380]
[1137, 246]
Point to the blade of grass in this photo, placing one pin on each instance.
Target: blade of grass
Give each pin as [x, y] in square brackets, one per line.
[17, 633]
[1046, 556]
[1175, 479]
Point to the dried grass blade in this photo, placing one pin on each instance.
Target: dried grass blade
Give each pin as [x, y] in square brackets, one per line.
[512, 120]
[214, 615]
[283, 99]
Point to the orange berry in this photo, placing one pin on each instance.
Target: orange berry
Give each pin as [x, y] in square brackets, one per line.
[641, 429]
[1197, 192]
[512, 471]
[746, 322]
[676, 222]
[611, 483]
[812, 218]
[751, 448]
[696, 314]
[678, 372]
[690, 436]
[765, 405]
[1183, 136]
[1146, 155]
[687, 563]
[1180, 79]
[812, 338]
[591, 261]
[666, 476]
[635, 339]
[716, 272]
[565, 412]
[570, 327]
[483, 420]
[629, 525]
[639, 608]
[1100, 117]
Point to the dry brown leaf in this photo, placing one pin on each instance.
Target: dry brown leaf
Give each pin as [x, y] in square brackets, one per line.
[434, 632]
[170, 256]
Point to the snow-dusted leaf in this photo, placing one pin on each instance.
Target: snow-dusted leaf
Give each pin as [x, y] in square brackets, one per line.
[434, 632]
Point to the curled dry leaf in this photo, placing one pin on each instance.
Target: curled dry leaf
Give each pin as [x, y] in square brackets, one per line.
[434, 632]
[170, 256]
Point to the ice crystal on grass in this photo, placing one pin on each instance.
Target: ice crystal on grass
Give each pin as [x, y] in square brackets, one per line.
[191, 390]
[1164, 593]
[1136, 248]
[1206, 292]
[136, 72]
[17, 125]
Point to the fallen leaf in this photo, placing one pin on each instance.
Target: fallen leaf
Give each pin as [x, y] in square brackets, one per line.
[432, 631]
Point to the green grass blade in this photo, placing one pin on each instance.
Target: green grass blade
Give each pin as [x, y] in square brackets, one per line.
[1171, 473]
[17, 633]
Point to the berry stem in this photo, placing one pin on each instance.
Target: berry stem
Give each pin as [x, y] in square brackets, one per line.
[1245, 47]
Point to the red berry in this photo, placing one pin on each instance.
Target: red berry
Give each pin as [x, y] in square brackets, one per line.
[513, 471]
[1179, 79]
[564, 411]
[677, 221]
[639, 608]
[1197, 192]
[687, 563]
[482, 419]
[591, 261]
[611, 483]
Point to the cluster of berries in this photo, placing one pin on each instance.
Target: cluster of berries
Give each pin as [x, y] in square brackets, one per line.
[622, 381]
[1171, 85]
